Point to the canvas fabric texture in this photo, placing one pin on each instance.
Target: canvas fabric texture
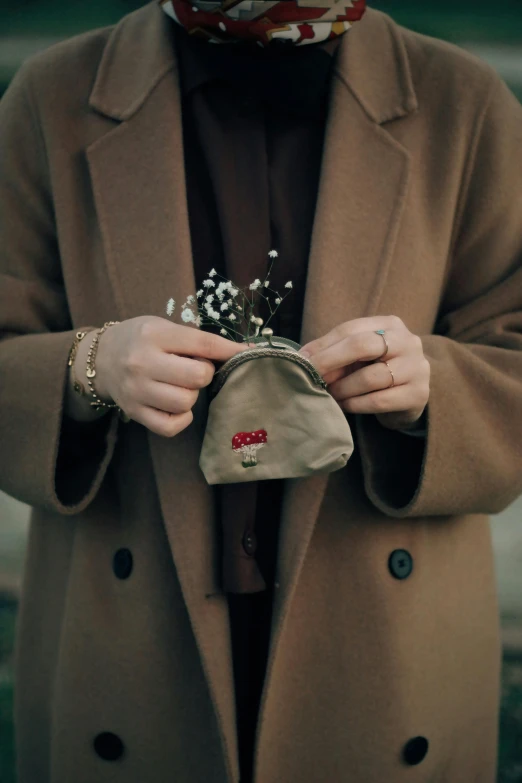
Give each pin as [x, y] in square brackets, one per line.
[272, 420]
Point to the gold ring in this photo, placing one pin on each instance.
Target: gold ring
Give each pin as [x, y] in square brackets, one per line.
[392, 376]
[381, 332]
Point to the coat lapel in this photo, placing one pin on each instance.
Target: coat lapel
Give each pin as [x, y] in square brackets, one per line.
[362, 196]
[138, 180]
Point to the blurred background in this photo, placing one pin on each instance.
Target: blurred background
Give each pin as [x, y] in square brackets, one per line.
[491, 30]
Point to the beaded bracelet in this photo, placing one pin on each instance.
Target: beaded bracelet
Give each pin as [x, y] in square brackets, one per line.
[90, 372]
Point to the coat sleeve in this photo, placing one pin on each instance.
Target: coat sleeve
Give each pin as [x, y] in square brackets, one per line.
[46, 459]
[471, 458]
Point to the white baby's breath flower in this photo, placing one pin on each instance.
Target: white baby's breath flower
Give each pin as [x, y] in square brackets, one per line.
[211, 312]
[200, 293]
[190, 299]
[171, 304]
[273, 253]
[209, 298]
[239, 308]
[231, 317]
[198, 320]
[224, 307]
[208, 283]
[289, 284]
[233, 292]
[253, 319]
[267, 283]
[222, 288]
[278, 301]
[255, 285]
[188, 316]
[224, 332]
[212, 273]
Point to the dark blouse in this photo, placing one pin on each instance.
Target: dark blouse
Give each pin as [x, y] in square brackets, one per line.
[253, 125]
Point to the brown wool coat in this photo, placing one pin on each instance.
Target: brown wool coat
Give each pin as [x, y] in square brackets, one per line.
[419, 215]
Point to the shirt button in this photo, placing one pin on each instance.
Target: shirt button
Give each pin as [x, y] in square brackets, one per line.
[108, 746]
[122, 563]
[400, 563]
[249, 542]
[415, 750]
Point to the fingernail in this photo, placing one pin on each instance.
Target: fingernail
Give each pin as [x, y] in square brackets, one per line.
[305, 353]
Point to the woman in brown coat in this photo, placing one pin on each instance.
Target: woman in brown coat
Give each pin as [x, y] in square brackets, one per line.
[383, 657]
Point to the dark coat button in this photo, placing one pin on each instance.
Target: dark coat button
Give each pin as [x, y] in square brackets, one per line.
[400, 563]
[415, 750]
[122, 563]
[249, 542]
[108, 746]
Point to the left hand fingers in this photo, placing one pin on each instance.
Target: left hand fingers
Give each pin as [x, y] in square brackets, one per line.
[373, 377]
[369, 391]
[365, 346]
[350, 328]
[388, 401]
[331, 377]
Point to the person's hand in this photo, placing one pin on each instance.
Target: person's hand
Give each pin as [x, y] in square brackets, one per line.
[347, 358]
[153, 369]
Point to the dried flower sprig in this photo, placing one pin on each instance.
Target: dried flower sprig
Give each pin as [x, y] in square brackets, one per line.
[227, 306]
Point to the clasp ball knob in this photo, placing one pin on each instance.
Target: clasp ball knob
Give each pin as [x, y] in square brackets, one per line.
[268, 333]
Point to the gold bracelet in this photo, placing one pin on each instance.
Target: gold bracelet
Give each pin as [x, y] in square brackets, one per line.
[77, 385]
[90, 373]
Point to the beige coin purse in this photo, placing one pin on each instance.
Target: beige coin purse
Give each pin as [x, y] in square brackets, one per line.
[271, 417]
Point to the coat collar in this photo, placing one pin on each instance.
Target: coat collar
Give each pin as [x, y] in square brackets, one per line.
[372, 62]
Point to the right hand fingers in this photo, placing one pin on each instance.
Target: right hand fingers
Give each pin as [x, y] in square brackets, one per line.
[187, 341]
[161, 407]
[144, 351]
[165, 397]
[165, 424]
[181, 371]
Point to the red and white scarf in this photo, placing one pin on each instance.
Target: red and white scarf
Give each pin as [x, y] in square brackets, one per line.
[296, 22]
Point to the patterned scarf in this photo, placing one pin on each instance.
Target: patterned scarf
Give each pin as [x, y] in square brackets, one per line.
[296, 22]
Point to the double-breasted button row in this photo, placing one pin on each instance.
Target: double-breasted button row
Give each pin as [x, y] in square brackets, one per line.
[400, 565]
[107, 745]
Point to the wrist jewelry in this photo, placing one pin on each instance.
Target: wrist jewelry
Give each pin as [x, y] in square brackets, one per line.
[90, 372]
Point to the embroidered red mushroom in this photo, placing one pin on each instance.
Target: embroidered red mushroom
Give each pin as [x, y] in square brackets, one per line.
[248, 444]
